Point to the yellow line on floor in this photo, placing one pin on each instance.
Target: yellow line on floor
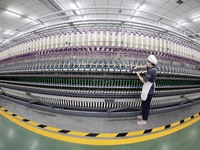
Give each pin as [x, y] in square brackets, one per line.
[96, 141]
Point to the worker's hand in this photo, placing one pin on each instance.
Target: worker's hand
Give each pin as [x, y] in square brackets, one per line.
[135, 68]
[138, 73]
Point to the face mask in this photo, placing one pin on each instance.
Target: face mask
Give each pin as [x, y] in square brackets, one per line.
[148, 64]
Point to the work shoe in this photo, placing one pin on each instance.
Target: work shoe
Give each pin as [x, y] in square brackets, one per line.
[139, 117]
[141, 122]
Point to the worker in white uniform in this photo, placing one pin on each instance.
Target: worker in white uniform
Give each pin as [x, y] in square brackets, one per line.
[148, 87]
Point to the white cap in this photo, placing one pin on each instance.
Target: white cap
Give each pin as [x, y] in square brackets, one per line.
[152, 59]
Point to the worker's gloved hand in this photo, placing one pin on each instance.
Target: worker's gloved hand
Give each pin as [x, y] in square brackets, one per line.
[138, 73]
[135, 69]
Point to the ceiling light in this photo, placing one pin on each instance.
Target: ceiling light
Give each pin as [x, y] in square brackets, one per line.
[131, 19]
[141, 8]
[78, 12]
[73, 5]
[166, 27]
[12, 13]
[29, 19]
[128, 18]
[36, 22]
[84, 17]
[8, 32]
[197, 19]
[180, 23]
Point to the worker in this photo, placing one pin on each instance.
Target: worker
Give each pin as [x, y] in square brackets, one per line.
[148, 87]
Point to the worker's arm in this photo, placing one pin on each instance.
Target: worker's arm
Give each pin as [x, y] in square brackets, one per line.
[141, 79]
[140, 67]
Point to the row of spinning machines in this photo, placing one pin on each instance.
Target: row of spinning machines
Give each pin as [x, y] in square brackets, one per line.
[88, 80]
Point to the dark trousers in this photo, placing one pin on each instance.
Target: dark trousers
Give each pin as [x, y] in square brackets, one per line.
[146, 107]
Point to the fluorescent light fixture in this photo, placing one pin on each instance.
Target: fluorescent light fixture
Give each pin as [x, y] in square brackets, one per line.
[184, 23]
[197, 19]
[36, 22]
[73, 5]
[59, 4]
[12, 13]
[44, 25]
[128, 18]
[131, 19]
[194, 17]
[180, 23]
[141, 8]
[8, 32]
[78, 12]
[5, 41]
[84, 17]
[29, 19]
[166, 27]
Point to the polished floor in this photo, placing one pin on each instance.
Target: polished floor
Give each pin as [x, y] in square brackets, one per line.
[15, 135]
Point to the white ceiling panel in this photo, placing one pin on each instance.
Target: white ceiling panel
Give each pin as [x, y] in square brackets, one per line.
[87, 3]
[37, 8]
[193, 3]
[168, 6]
[115, 2]
[100, 2]
[170, 15]
[29, 3]
[158, 3]
[177, 11]
[161, 11]
[184, 7]
[21, 1]
[127, 3]
[151, 8]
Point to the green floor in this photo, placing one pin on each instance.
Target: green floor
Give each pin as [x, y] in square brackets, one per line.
[13, 137]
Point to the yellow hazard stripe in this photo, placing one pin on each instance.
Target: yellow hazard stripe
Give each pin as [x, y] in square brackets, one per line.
[100, 138]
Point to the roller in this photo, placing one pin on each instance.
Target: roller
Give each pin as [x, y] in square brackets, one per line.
[40, 43]
[156, 43]
[113, 38]
[62, 40]
[164, 44]
[107, 38]
[119, 39]
[67, 39]
[89, 38]
[125, 40]
[83, 39]
[48, 42]
[131, 40]
[95, 37]
[152, 42]
[101, 38]
[44, 42]
[161, 44]
[52, 39]
[141, 41]
[78, 39]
